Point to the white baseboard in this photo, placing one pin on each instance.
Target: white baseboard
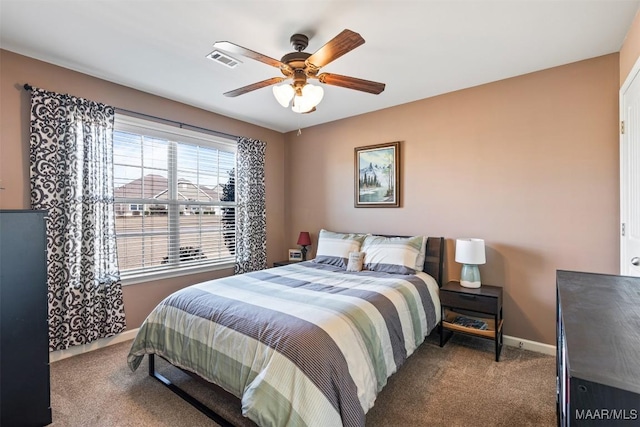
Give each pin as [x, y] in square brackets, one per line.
[54, 356]
[538, 347]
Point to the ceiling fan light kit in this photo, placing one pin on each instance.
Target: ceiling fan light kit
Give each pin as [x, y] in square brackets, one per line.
[300, 66]
[307, 101]
[304, 100]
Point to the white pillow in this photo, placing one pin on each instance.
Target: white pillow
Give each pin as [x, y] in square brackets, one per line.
[334, 248]
[356, 261]
[398, 255]
[422, 255]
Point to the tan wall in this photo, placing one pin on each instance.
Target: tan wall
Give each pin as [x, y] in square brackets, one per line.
[530, 164]
[630, 51]
[16, 70]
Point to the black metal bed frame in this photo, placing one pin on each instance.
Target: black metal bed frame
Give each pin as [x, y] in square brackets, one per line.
[223, 422]
[433, 265]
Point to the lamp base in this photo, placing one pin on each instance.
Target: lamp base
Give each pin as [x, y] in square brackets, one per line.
[470, 276]
[303, 249]
[466, 284]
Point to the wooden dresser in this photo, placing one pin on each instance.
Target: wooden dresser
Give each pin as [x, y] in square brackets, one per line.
[598, 349]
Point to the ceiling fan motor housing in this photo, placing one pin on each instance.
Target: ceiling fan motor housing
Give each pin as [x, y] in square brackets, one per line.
[296, 60]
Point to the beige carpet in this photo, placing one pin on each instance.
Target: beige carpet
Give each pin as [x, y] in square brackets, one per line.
[458, 385]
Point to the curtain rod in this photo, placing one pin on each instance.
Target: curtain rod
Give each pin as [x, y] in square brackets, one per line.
[27, 86]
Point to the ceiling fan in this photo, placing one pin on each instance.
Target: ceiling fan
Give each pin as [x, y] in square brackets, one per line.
[301, 66]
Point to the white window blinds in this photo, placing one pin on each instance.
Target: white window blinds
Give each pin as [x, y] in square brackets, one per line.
[174, 197]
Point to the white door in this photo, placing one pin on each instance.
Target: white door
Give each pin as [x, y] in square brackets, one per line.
[630, 174]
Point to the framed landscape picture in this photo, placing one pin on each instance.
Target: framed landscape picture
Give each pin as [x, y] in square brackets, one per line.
[377, 176]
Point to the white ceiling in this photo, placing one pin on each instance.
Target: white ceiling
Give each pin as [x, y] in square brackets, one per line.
[418, 48]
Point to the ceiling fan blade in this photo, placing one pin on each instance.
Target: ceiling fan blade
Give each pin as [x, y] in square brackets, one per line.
[254, 86]
[351, 83]
[344, 42]
[233, 48]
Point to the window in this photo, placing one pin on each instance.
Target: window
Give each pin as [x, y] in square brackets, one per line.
[174, 197]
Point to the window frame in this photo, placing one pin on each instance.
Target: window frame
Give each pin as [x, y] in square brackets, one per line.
[177, 135]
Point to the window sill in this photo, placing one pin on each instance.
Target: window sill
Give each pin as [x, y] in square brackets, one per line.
[132, 279]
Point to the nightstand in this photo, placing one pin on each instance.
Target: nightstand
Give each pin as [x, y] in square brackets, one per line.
[476, 305]
[281, 263]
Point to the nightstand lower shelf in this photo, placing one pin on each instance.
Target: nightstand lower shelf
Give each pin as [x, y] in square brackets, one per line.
[490, 332]
[448, 328]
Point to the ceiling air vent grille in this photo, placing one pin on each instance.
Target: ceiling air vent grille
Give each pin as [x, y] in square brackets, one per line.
[223, 59]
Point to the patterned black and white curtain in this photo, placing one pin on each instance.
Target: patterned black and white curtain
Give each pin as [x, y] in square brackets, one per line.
[251, 217]
[71, 156]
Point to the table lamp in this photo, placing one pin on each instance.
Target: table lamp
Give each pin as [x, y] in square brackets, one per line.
[470, 253]
[304, 240]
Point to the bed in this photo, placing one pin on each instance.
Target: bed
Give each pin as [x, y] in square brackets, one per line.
[307, 344]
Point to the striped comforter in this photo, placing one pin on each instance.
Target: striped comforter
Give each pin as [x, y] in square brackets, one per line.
[302, 345]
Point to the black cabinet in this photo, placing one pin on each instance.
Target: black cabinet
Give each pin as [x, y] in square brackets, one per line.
[24, 342]
[598, 349]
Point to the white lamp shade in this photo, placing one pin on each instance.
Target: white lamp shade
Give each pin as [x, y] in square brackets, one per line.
[283, 94]
[311, 96]
[314, 93]
[470, 251]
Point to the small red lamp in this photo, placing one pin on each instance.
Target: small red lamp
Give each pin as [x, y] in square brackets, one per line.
[304, 240]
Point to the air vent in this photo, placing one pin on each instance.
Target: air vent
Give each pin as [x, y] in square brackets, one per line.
[223, 59]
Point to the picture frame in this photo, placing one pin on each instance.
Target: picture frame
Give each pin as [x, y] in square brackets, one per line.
[295, 255]
[377, 176]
